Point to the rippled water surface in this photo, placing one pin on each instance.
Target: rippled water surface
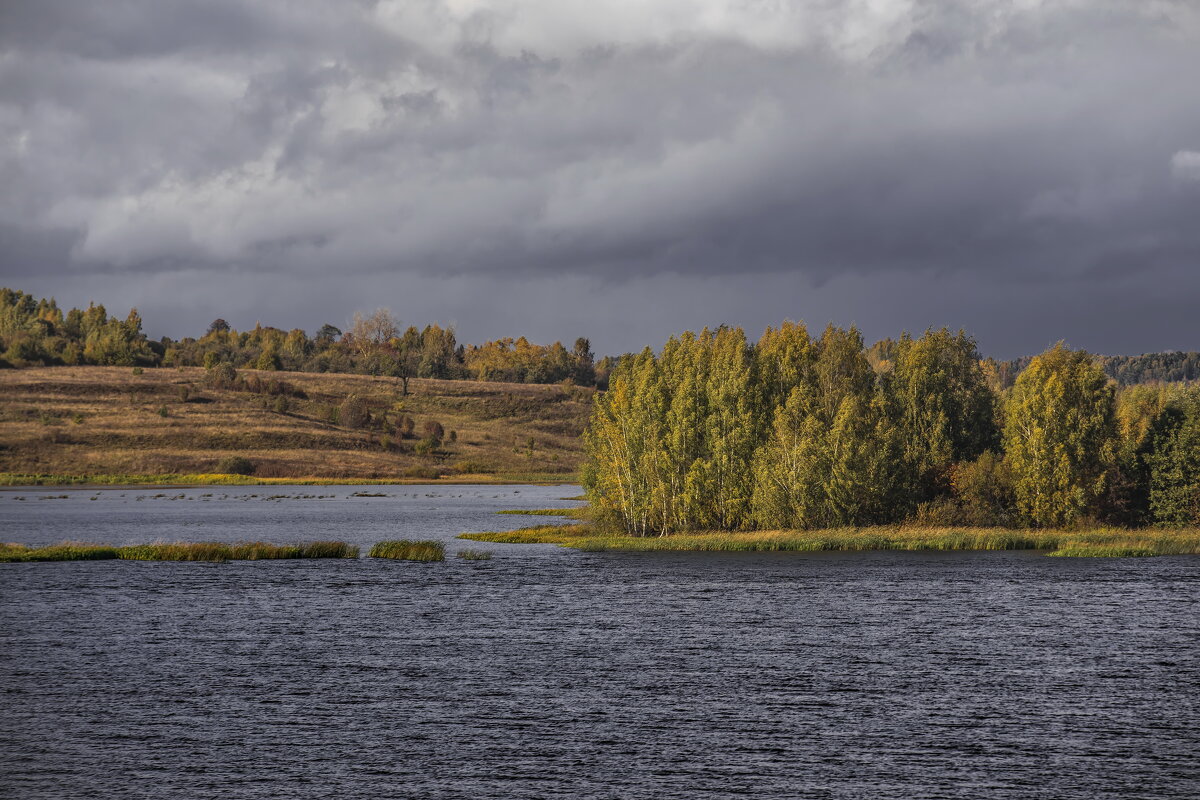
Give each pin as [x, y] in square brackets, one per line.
[545, 672]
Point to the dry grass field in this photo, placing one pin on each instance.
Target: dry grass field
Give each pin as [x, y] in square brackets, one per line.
[110, 425]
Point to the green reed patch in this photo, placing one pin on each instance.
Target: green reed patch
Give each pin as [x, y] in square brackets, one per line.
[217, 552]
[569, 513]
[66, 551]
[1083, 550]
[475, 555]
[538, 534]
[409, 550]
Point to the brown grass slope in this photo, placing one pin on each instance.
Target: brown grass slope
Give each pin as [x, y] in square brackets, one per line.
[107, 421]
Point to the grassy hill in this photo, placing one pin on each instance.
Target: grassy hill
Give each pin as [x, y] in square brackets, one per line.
[110, 425]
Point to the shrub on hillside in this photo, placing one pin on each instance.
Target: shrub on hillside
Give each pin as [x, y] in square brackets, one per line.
[235, 465]
[222, 376]
[434, 430]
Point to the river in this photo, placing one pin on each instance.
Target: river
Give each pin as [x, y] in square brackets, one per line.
[546, 672]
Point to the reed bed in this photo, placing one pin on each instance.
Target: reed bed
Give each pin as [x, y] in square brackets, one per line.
[569, 513]
[537, 534]
[1113, 550]
[475, 555]
[66, 551]
[1102, 542]
[217, 552]
[409, 550]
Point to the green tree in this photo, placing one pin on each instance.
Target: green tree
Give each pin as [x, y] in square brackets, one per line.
[268, 359]
[1060, 436]
[863, 460]
[785, 359]
[841, 370]
[792, 467]
[1174, 463]
[721, 481]
[326, 335]
[621, 445]
[945, 411]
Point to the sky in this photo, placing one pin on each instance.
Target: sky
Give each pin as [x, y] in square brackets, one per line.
[1028, 170]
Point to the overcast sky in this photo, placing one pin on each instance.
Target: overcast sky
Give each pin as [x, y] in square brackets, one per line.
[617, 169]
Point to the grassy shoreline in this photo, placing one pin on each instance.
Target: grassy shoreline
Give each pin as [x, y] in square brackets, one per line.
[1108, 542]
[10, 480]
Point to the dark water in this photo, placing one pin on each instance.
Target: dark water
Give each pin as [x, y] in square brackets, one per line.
[550, 673]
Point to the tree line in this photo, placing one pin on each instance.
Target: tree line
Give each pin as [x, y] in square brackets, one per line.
[37, 332]
[792, 431]
[1171, 367]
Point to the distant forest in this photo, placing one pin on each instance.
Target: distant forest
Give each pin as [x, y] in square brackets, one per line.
[1170, 367]
[36, 332]
[717, 433]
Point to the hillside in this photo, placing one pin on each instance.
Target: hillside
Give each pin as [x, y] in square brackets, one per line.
[112, 425]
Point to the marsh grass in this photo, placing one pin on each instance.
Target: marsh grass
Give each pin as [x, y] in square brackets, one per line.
[1093, 543]
[475, 555]
[537, 534]
[66, 551]
[1116, 550]
[409, 550]
[217, 552]
[569, 513]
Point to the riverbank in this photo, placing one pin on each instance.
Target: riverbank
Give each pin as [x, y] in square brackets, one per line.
[1106, 542]
[10, 480]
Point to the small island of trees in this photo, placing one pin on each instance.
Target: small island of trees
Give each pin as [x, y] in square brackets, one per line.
[794, 432]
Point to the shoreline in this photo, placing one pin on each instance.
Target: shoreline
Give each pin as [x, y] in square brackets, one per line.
[13, 482]
[1100, 542]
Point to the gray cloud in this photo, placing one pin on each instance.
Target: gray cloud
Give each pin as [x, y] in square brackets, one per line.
[1035, 150]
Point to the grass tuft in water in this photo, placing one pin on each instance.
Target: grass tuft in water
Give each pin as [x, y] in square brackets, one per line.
[475, 555]
[409, 550]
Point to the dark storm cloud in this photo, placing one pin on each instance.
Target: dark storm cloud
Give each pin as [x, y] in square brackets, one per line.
[1047, 146]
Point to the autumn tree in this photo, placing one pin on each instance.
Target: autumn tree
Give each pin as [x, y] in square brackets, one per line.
[830, 455]
[943, 406]
[621, 440]
[1059, 436]
[371, 333]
